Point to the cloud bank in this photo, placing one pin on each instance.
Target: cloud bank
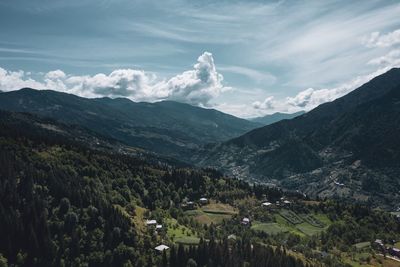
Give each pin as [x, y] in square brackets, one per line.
[197, 86]
[376, 39]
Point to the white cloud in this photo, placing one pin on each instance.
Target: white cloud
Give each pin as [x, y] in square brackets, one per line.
[197, 86]
[12, 80]
[390, 59]
[55, 74]
[376, 39]
[311, 98]
[267, 104]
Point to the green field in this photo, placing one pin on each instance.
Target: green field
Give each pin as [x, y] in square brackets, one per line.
[180, 233]
[309, 229]
[303, 227]
[270, 228]
[362, 245]
[212, 213]
[290, 216]
[309, 218]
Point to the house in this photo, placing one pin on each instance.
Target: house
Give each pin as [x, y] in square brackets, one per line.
[158, 227]
[203, 200]
[246, 221]
[338, 184]
[161, 248]
[151, 222]
[188, 205]
[287, 202]
[266, 204]
[379, 245]
[394, 252]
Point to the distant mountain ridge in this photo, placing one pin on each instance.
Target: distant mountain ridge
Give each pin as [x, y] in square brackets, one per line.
[275, 117]
[353, 140]
[168, 128]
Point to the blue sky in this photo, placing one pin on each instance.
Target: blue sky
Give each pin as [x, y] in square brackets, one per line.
[247, 58]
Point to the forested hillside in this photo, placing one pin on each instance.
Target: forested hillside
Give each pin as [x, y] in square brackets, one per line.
[64, 204]
[167, 127]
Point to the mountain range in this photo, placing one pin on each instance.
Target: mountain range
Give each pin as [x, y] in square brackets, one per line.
[346, 148]
[275, 117]
[168, 128]
[349, 147]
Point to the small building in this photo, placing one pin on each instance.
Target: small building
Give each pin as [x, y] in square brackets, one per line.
[394, 252]
[287, 202]
[379, 245]
[161, 248]
[203, 200]
[266, 204]
[338, 184]
[159, 227]
[151, 222]
[245, 221]
[188, 205]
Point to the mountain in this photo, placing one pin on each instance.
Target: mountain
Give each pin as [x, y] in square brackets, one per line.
[63, 202]
[168, 128]
[349, 147]
[275, 117]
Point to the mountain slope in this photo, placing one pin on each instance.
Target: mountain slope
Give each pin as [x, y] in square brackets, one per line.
[168, 128]
[278, 116]
[351, 142]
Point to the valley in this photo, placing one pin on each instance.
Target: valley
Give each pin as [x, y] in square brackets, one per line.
[306, 191]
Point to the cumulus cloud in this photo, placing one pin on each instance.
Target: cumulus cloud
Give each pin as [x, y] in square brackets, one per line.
[390, 59]
[311, 98]
[55, 74]
[197, 86]
[376, 39]
[268, 104]
[13, 80]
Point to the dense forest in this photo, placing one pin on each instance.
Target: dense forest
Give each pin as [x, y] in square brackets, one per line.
[65, 204]
[66, 201]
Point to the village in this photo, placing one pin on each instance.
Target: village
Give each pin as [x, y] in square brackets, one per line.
[280, 219]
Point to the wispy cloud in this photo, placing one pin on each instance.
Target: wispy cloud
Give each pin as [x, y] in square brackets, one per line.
[255, 75]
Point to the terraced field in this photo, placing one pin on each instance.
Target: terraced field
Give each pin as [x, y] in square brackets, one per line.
[212, 213]
[290, 216]
[289, 221]
[270, 228]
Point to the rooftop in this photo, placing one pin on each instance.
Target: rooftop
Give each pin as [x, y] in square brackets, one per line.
[161, 247]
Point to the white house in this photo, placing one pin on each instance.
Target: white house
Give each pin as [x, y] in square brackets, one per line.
[266, 204]
[161, 248]
[287, 202]
[203, 200]
[151, 222]
[158, 226]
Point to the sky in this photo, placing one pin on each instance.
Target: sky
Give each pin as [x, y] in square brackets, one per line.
[247, 58]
